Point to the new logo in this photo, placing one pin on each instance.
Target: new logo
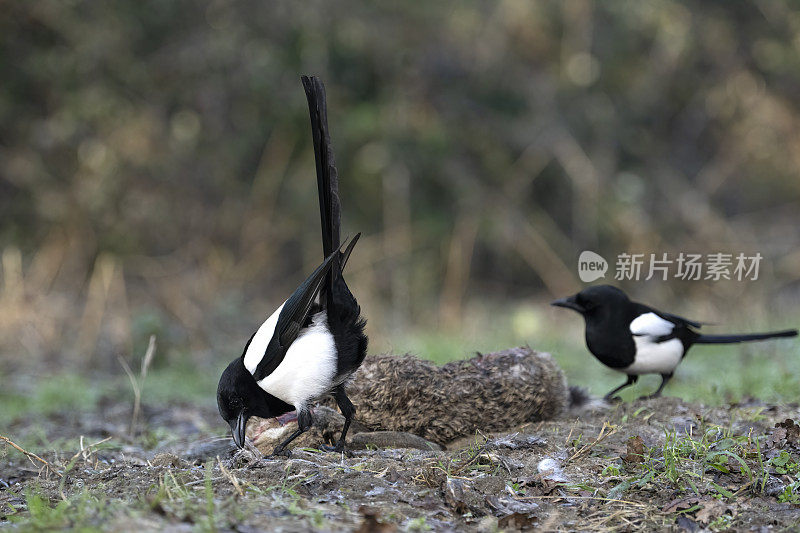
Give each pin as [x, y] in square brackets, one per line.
[591, 266]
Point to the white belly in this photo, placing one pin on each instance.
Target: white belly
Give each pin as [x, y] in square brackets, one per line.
[655, 357]
[307, 371]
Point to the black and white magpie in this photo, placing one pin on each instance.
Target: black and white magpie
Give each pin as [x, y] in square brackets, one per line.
[309, 347]
[636, 339]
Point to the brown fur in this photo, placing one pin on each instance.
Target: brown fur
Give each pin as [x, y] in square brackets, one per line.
[440, 403]
[409, 398]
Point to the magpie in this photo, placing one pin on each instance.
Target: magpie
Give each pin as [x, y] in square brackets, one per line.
[313, 343]
[636, 339]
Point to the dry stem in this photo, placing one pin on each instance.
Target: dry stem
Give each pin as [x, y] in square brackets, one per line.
[234, 481]
[137, 384]
[30, 455]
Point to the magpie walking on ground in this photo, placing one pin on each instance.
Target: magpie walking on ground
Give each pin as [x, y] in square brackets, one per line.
[309, 347]
[635, 339]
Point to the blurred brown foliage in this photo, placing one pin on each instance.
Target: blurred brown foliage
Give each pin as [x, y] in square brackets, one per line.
[156, 156]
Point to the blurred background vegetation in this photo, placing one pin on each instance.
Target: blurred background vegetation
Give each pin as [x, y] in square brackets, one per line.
[157, 176]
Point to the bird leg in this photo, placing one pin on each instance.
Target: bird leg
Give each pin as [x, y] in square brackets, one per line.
[610, 396]
[304, 422]
[349, 411]
[657, 393]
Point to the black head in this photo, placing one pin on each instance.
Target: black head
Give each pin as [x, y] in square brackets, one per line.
[593, 298]
[239, 397]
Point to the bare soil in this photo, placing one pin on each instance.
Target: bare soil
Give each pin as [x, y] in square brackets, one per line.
[649, 464]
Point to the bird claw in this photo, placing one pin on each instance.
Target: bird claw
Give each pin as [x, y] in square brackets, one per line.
[649, 396]
[338, 448]
[281, 453]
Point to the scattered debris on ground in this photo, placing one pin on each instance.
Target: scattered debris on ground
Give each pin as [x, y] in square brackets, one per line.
[648, 464]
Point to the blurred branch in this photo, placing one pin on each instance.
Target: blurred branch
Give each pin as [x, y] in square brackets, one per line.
[96, 298]
[459, 260]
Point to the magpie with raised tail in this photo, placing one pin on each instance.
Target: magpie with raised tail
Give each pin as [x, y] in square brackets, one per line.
[313, 343]
[636, 339]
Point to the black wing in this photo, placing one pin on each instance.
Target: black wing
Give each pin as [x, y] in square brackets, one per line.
[347, 251]
[678, 319]
[293, 316]
[675, 319]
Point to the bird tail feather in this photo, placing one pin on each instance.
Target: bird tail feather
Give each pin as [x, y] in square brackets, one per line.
[731, 339]
[327, 179]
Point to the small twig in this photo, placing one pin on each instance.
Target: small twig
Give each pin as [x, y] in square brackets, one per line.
[30, 455]
[474, 458]
[231, 477]
[571, 429]
[746, 486]
[609, 500]
[603, 435]
[87, 451]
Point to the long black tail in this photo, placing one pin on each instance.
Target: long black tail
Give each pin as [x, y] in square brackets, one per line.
[327, 178]
[730, 339]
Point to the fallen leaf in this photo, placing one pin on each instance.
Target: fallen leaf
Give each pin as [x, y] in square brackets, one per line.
[792, 431]
[705, 509]
[635, 450]
[681, 504]
[786, 433]
[711, 510]
[549, 486]
[517, 521]
[777, 439]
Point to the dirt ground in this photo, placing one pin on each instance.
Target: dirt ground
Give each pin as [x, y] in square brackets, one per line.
[649, 464]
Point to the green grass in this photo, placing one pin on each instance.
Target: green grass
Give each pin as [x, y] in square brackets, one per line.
[70, 392]
[61, 392]
[81, 512]
[784, 464]
[182, 382]
[713, 462]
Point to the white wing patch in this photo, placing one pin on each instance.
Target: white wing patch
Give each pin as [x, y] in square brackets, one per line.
[655, 357]
[652, 325]
[255, 352]
[307, 371]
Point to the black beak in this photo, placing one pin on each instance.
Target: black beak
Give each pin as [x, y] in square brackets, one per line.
[237, 429]
[569, 303]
